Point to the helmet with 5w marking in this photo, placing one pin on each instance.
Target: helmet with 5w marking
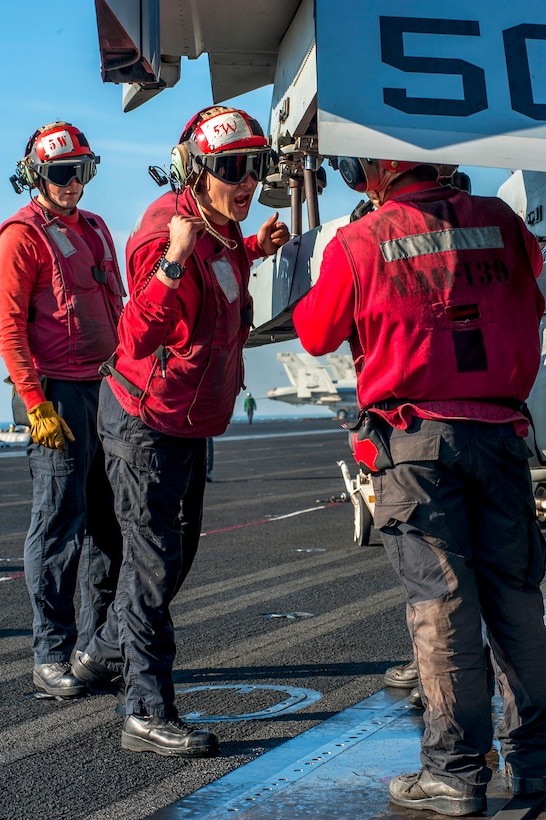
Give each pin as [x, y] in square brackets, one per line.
[57, 153]
[224, 141]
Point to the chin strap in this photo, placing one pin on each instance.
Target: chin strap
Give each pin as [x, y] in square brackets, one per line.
[230, 244]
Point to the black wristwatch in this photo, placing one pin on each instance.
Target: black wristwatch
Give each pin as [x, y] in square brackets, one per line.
[172, 270]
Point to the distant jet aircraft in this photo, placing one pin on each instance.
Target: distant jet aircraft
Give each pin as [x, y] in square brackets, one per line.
[332, 385]
[14, 438]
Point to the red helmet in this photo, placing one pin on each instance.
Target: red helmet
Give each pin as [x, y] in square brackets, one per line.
[224, 129]
[59, 140]
[226, 142]
[57, 152]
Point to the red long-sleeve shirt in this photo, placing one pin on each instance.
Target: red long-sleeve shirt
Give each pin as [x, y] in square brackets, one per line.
[57, 319]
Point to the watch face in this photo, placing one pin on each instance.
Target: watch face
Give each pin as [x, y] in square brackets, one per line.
[172, 270]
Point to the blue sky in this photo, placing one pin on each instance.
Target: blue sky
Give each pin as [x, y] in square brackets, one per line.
[51, 55]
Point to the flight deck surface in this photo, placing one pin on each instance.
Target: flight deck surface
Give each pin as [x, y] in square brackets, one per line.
[284, 630]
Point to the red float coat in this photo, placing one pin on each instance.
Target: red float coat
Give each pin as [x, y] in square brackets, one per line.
[61, 298]
[437, 293]
[203, 326]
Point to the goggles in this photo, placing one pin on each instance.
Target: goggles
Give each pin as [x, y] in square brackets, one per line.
[62, 173]
[233, 168]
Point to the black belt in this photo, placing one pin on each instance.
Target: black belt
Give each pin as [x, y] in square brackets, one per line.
[107, 369]
[512, 404]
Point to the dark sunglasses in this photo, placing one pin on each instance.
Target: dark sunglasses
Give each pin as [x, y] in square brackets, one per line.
[62, 173]
[233, 168]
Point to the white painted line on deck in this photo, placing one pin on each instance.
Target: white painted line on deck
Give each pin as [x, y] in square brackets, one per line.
[270, 520]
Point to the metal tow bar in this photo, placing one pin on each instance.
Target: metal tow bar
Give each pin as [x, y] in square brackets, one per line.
[540, 504]
[360, 491]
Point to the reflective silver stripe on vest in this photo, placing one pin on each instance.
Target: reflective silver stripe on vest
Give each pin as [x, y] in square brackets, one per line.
[453, 239]
[107, 251]
[61, 240]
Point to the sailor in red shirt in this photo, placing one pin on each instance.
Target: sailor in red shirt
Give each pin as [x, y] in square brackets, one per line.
[60, 300]
[436, 292]
[171, 384]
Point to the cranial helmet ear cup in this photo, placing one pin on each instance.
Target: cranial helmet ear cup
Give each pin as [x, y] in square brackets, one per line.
[26, 174]
[180, 164]
[183, 169]
[352, 173]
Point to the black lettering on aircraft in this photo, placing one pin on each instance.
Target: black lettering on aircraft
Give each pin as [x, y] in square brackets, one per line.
[473, 78]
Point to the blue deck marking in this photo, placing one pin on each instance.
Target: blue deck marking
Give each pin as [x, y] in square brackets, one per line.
[338, 769]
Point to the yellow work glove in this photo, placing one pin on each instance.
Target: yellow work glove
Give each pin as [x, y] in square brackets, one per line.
[47, 427]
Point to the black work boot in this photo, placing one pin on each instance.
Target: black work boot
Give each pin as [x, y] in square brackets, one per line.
[166, 737]
[403, 676]
[423, 791]
[57, 680]
[98, 677]
[415, 699]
